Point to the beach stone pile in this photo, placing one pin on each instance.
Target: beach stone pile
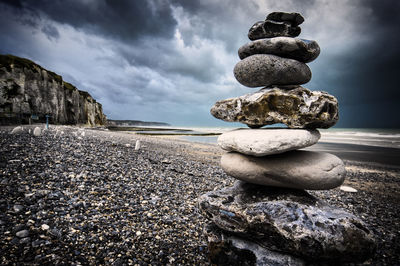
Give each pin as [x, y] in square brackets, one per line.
[267, 217]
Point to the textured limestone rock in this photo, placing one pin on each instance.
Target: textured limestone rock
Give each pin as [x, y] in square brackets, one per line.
[264, 70]
[294, 18]
[289, 221]
[28, 89]
[228, 249]
[297, 108]
[294, 169]
[266, 141]
[270, 29]
[302, 50]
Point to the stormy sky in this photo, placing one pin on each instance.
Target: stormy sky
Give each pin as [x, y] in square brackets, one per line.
[170, 60]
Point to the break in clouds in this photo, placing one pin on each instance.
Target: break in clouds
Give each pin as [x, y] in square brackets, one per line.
[167, 60]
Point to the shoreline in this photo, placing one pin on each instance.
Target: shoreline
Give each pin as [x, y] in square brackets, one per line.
[106, 203]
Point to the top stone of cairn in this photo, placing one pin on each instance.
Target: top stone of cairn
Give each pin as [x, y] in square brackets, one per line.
[277, 24]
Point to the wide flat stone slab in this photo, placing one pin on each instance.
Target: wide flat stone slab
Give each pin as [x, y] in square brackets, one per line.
[289, 221]
[228, 249]
[265, 69]
[294, 169]
[267, 141]
[302, 50]
[296, 108]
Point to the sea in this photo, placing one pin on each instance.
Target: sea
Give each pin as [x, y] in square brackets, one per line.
[366, 145]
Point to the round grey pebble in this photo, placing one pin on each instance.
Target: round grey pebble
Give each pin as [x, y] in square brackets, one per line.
[265, 70]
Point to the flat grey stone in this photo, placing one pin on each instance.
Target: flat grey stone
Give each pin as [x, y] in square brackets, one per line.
[22, 233]
[289, 221]
[267, 141]
[228, 249]
[270, 29]
[296, 108]
[294, 18]
[265, 70]
[294, 169]
[302, 50]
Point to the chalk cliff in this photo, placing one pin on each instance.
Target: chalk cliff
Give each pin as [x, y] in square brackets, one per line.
[27, 90]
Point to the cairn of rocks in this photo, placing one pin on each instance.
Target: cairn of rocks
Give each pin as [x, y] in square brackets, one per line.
[267, 217]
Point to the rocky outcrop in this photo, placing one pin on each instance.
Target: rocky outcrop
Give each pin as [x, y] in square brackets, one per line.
[29, 91]
[287, 221]
[297, 108]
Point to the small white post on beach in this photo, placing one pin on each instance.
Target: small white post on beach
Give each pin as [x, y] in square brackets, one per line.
[137, 145]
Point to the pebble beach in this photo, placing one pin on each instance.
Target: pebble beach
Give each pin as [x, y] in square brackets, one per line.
[86, 196]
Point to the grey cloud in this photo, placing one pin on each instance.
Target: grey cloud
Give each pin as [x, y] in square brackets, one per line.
[51, 32]
[120, 19]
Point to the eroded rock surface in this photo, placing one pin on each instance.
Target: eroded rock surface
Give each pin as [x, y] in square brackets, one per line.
[289, 221]
[299, 49]
[296, 108]
[264, 70]
[294, 18]
[294, 169]
[266, 141]
[270, 29]
[228, 249]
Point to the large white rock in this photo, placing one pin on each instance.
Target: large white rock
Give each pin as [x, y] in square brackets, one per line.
[294, 169]
[266, 141]
[37, 132]
[17, 130]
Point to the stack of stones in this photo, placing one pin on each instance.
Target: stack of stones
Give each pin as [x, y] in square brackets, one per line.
[267, 217]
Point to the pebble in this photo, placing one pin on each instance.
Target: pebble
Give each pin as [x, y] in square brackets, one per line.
[299, 49]
[114, 175]
[295, 169]
[265, 70]
[45, 227]
[347, 189]
[37, 132]
[22, 233]
[267, 141]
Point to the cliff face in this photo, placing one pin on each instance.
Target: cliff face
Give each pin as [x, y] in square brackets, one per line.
[29, 91]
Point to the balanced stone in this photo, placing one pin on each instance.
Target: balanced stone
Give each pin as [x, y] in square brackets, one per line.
[267, 141]
[297, 108]
[270, 28]
[295, 169]
[302, 50]
[294, 18]
[289, 221]
[265, 69]
[227, 249]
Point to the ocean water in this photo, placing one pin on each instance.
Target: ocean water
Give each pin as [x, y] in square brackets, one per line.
[388, 138]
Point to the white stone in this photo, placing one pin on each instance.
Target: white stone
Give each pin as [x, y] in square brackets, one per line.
[137, 145]
[267, 141]
[348, 189]
[37, 132]
[294, 169]
[45, 227]
[17, 130]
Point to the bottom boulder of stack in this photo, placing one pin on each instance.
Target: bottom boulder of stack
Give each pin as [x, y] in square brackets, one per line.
[228, 249]
[287, 221]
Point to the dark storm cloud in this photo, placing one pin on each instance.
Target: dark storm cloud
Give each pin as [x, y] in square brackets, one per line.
[367, 83]
[51, 32]
[121, 19]
[146, 56]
